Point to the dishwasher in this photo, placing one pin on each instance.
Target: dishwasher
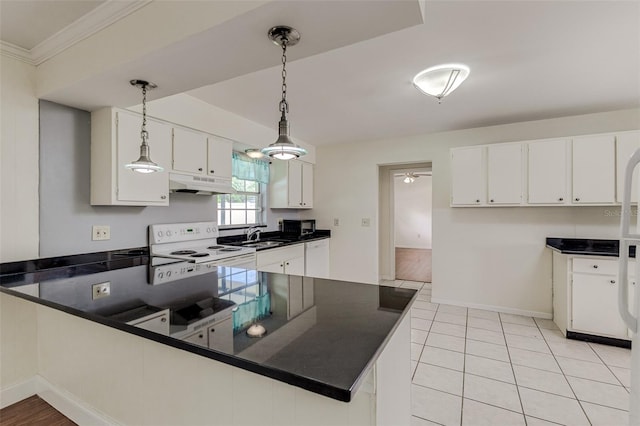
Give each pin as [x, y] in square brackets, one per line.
[316, 263]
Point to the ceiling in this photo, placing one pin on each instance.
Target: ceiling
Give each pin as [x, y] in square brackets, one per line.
[349, 78]
[28, 23]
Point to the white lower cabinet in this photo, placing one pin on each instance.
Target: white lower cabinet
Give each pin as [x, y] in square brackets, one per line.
[157, 322]
[218, 336]
[595, 305]
[283, 260]
[585, 295]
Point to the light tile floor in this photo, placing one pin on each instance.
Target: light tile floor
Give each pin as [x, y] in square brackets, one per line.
[475, 367]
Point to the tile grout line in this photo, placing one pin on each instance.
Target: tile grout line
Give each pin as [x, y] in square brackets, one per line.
[565, 376]
[608, 367]
[515, 378]
[464, 365]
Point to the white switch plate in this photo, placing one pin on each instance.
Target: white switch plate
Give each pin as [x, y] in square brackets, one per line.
[101, 232]
[101, 290]
[366, 221]
[336, 222]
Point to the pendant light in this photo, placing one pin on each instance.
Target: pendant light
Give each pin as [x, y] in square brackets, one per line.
[144, 164]
[284, 148]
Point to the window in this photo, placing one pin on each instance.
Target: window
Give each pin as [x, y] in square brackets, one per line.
[242, 208]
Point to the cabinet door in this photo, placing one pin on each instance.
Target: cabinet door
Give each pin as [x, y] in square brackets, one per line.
[308, 293]
[468, 179]
[158, 324]
[504, 174]
[200, 338]
[221, 336]
[595, 305]
[307, 185]
[548, 162]
[626, 145]
[294, 184]
[294, 266]
[594, 169]
[296, 302]
[132, 186]
[189, 151]
[277, 267]
[219, 157]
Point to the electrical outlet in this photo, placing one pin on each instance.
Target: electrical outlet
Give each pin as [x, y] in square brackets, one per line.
[336, 222]
[101, 290]
[366, 221]
[101, 232]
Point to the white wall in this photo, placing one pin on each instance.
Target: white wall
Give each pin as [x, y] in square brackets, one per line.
[412, 216]
[18, 161]
[18, 346]
[488, 257]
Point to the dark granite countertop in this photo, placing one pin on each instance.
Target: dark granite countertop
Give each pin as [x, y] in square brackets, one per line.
[587, 247]
[327, 345]
[284, 239]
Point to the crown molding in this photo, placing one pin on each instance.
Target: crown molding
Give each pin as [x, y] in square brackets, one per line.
[99, 18]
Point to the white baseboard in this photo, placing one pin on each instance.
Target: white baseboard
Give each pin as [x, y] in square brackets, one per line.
[63, 401]
[503, 309]
[17, 392]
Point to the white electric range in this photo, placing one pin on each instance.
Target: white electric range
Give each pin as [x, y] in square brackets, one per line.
[197, 243]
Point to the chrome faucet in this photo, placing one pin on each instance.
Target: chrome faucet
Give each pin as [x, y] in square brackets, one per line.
[254, 230]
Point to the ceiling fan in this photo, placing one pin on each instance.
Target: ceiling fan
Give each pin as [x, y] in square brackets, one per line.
[410, 177]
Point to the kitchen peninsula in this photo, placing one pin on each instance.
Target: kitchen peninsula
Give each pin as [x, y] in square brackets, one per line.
[340, 357]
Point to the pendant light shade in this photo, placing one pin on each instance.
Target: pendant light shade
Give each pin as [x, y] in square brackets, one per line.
[284, 148]
[441, 80]
[144, 164]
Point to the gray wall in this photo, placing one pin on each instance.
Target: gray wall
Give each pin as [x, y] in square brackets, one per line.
[66, 217]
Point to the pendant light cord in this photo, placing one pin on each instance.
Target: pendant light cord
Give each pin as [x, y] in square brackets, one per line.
[284, 106]
[143, 133]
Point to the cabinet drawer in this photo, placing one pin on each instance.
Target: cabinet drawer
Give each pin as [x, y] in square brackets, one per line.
[267, 257]
[600, 266]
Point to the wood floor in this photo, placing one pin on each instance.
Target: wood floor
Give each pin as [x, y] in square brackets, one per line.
[32, 411]
[413, 264]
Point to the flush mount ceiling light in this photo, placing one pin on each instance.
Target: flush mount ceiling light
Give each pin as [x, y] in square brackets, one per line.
[441, 80]
[144, 164]
[284, 148]
[254, 153]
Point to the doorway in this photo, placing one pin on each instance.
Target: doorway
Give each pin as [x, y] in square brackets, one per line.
[405, 211]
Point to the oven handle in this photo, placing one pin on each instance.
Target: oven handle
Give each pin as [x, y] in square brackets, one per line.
[244, 260]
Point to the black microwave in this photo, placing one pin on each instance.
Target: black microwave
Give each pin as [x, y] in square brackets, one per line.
[298, 228]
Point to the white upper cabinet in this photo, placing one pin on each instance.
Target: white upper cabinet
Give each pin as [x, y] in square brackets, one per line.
[548, 171]
[189, 151]
[291, 185]
[115, 142]
[468, 178]
[594, 169]
[219, 152]
[626, 144]
[504, 173]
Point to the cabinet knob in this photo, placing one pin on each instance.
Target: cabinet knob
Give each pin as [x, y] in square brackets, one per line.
[212, 330]
[281, 265]
[560, 199]
[212, 171]
[612, 281]
[163, 319]
[477, 201]
[199, 169]
[595, 266]
[491, 200]
[200, 336]
[577, 199]
[163, 197]
[287, 263]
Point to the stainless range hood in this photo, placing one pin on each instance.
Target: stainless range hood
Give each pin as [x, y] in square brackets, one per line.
[200, 185]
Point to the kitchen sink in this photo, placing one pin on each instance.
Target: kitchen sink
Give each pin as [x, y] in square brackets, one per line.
[263, 244]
